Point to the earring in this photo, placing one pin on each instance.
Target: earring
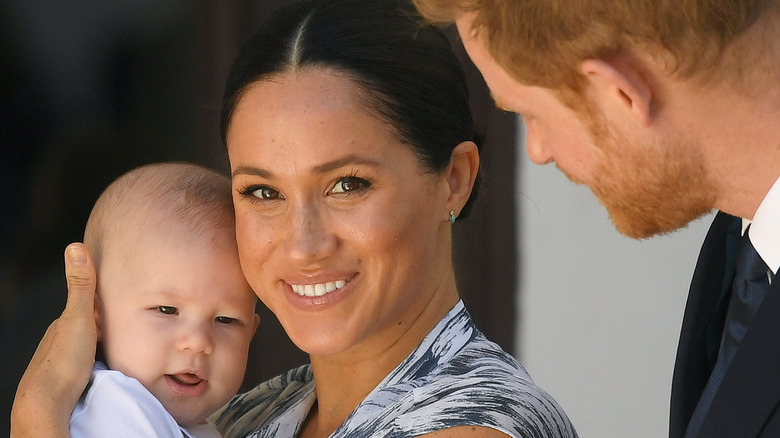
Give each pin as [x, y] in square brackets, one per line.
[452, 217]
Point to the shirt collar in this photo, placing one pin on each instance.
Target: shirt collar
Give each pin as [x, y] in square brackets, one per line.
[765, 228]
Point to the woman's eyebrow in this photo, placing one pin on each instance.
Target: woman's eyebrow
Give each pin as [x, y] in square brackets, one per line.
[248, 170]
[352, 159]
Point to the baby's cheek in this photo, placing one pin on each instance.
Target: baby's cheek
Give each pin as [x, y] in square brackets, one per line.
[233, 366]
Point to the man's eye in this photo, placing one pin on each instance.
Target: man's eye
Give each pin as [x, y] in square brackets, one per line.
[168, 310]
[225, 320]
[350, 184]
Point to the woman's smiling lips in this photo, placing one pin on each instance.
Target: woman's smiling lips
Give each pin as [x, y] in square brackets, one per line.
[318, 289]
[308, 292]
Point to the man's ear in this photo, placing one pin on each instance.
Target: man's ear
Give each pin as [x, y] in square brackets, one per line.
[461, 174]
[617, 85]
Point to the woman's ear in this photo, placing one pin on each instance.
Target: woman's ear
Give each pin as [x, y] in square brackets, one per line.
[619, 86]
[461, 174]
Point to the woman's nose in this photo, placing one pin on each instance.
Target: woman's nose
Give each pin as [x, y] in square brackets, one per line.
[311, 238]
[196, 338]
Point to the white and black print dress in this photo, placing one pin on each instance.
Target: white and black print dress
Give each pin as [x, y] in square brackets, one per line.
[455, 377]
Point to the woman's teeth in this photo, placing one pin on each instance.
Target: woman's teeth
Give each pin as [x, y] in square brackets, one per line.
[317, 290]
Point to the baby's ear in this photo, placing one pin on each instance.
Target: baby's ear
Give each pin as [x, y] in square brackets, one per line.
[98, 313]
[100, 352]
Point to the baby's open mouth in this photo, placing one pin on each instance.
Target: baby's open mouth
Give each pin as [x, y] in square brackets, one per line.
[187, 384]
[186, 379]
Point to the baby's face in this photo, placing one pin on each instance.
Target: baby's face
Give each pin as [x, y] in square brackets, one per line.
[177, 316]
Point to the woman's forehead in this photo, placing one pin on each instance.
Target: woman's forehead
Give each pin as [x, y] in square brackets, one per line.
[314, 88]
[314, 109]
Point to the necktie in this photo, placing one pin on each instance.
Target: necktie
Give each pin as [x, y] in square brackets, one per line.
[747, 291]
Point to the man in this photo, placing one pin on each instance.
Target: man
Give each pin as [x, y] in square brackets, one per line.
[666, 110]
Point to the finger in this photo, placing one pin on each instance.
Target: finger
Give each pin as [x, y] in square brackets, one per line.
[81, 278]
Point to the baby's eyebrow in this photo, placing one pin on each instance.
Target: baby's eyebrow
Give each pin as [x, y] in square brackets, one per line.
[162, 296]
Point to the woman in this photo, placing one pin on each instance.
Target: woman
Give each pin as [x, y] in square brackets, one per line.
[352, 152]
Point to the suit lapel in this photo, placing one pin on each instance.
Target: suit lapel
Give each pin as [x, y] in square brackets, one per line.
[750, 390]
[693, 366]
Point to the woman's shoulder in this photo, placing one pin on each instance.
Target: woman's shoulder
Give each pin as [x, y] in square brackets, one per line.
[477, 385]
[266, 403]
[483, 359]
[484, 385]
[457, 377]
[465, 359]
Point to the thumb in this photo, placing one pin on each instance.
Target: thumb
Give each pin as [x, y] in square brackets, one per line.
[60, 368]
[80, 275]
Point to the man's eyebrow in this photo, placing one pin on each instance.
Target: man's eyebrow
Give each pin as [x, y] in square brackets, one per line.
[352, 159]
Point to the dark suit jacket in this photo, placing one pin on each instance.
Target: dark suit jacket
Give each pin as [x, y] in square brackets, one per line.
[746, 403]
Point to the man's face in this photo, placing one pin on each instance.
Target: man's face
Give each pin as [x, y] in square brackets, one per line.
[648, 185]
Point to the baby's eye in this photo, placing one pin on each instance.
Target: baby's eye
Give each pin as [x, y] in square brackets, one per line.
[350, 184]
[225, 320]
[168, 310]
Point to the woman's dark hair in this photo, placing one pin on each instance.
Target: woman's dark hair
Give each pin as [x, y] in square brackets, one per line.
[406, 66]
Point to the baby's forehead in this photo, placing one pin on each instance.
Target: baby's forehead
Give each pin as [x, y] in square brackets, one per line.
[164, 267]
[154, 233]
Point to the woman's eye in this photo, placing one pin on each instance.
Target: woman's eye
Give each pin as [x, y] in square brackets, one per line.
[260, 192]
[350, 184]
[225, 320]
[265, 193]
[168, 310]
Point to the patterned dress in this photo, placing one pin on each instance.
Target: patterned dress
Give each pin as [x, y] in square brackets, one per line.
[455, 377]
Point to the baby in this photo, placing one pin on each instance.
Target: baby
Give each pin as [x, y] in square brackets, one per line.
[174, 312]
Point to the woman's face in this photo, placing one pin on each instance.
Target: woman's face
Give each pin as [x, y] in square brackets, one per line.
[342, 233]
